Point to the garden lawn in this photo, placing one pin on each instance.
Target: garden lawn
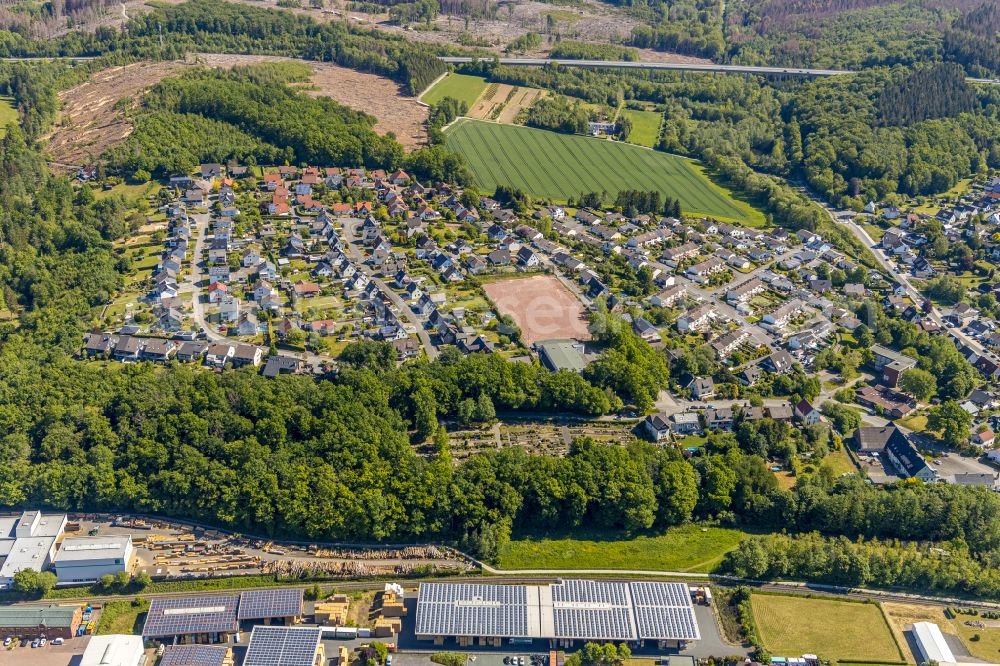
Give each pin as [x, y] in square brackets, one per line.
[645, 127]
[8, 113]
[462, 87]
[688, 548]
[555, 166]
[833, 629]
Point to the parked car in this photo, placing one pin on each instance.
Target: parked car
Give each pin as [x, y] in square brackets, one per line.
[58, 641]
[42, 642]
[34, 643]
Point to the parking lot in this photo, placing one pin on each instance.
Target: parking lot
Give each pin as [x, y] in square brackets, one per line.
[69, 653]
[951, 463]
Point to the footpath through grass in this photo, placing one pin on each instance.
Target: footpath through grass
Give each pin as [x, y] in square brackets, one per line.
[555, 166]
[690, 548]
[843, 630]
[462, 87]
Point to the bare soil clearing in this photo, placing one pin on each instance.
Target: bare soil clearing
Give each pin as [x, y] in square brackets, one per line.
[381, 97]
[589, 21]
[93, 120]
[541, 306]
[90, 123]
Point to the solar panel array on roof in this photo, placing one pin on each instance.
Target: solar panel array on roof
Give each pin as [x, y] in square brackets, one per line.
[471, 609]
[667, 623]
[590, 609]
[259, 604]
[583, 623]
[283, 646]
[660, 594]
[572, 609]
[590, 592]
[194, 655]
[664, 611]
[191, 615]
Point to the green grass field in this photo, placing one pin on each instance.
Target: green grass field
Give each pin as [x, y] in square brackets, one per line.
[645, 127]
[8, 113]
[688, 548]
[792, 626]
[122, 617]
[555, 166]
[462, 87]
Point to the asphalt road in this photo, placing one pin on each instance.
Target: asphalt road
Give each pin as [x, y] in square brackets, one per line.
[846, 218]
[194, 281]
[357, 256]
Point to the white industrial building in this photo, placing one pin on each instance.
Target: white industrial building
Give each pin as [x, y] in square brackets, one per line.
[86, 559]
[931, 644]
[114, 650]
[28, 542]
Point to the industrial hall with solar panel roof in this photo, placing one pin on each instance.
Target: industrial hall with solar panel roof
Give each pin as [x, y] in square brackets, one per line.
[565, 613]
[216, 618]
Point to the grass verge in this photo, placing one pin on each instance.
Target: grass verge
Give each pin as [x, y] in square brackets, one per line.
[690, 548]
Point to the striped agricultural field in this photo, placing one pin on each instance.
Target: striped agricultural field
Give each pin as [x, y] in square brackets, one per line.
[555, 166]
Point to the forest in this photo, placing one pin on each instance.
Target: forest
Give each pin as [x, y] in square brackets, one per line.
[250, 111]
[856, 34]
[873, 136]
[171, 31]
[690, 27]
[247, 112]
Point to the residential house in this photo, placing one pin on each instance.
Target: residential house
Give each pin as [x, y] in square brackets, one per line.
[191, 351]
[696, 320]
[701, 388]
[282, 365]
[657, 426]
[246, 355]
[806, 413]
[686, 423]
[527, 258]
[219, 354]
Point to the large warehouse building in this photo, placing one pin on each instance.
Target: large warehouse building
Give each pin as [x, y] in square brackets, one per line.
[86, 559]
[564, 612]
